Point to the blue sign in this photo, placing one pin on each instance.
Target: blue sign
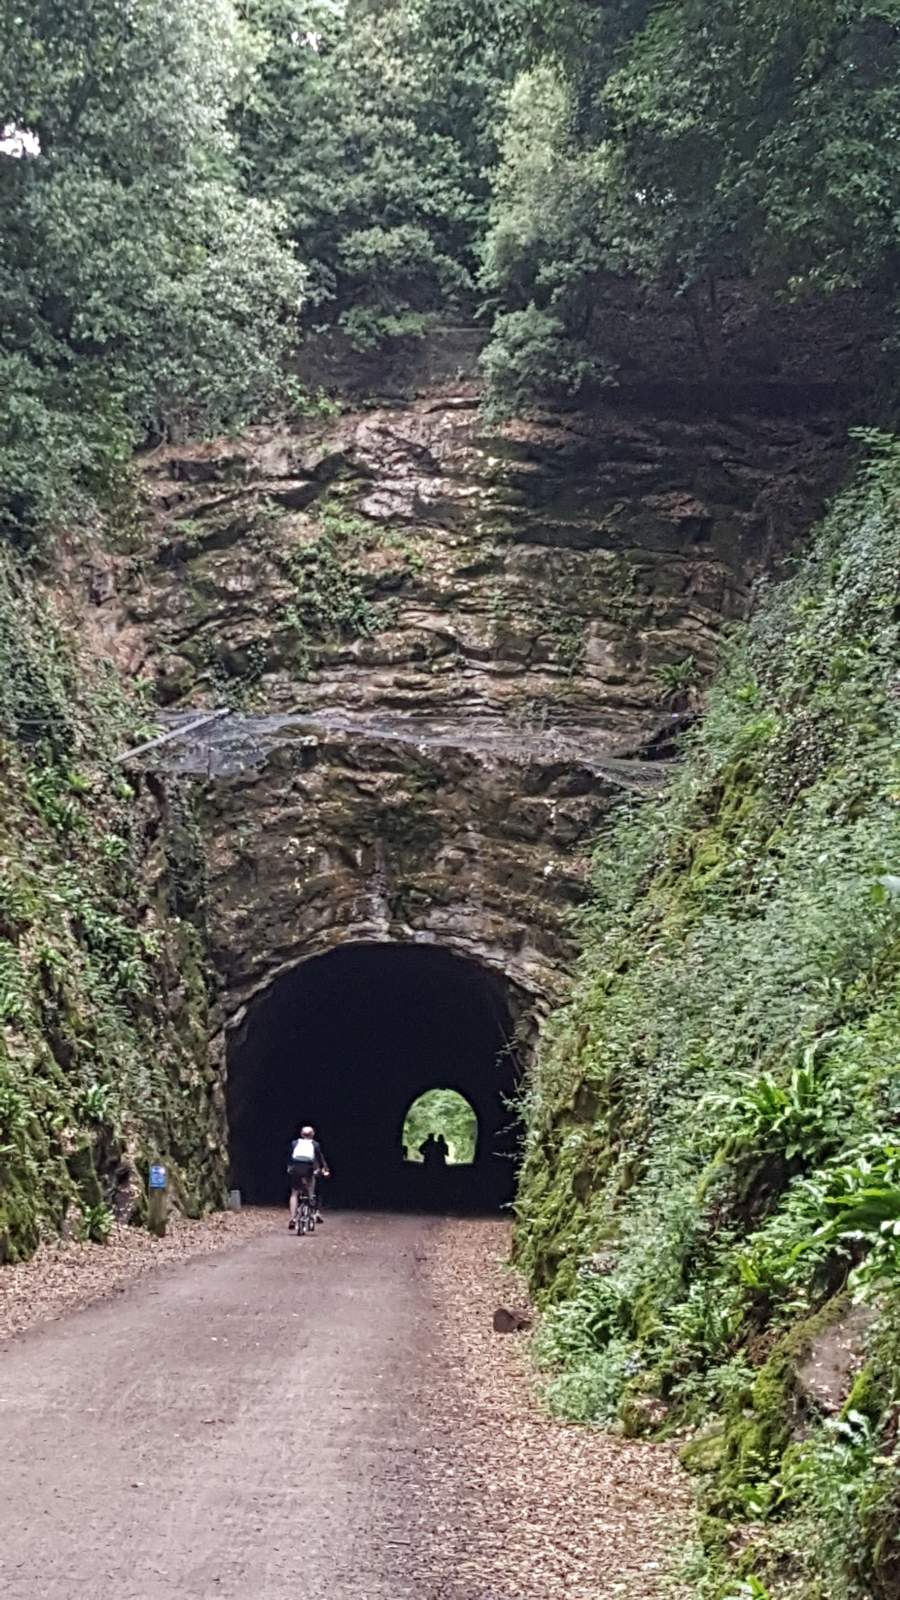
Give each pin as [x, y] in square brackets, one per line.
[157, 1177]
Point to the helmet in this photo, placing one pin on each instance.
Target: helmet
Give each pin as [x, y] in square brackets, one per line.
[307, 1132]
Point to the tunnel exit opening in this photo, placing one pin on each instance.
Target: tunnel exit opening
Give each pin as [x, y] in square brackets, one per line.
[350, 1041]
[441, 1128]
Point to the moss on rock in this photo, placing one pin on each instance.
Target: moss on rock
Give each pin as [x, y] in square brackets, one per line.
[736, 1004]
[103, 1000]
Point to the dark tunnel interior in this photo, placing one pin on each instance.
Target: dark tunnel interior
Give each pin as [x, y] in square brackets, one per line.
[346, 1041]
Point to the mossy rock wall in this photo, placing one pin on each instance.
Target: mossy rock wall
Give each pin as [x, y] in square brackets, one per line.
[104, 1002]
[713, 1159]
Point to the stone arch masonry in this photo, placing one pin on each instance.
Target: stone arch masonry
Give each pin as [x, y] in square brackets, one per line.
[318, 834]
[439, 773]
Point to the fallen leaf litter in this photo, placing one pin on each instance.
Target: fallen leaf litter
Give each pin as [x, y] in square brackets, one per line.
[555, 1511]
[64, 1276]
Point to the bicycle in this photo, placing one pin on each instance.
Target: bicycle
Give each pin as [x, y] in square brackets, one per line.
[306, 1212]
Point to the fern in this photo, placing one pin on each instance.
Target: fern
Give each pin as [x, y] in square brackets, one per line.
[13, 984]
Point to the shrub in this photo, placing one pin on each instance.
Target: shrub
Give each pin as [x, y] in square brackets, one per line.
[716, 1109]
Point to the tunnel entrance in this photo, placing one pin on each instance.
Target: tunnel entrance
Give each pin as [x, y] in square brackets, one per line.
[348, 1041]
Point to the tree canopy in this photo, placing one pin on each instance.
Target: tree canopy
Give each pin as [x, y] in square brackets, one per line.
[178, 178]
[142, 292]
[683, 145]
[374, 130]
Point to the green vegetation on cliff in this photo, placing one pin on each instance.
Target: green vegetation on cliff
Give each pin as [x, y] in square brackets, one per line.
[181, 179]
[712, 1174]
[682, 148]
[104, 1056]
[372, 127]
[194, 188]
[143, 295]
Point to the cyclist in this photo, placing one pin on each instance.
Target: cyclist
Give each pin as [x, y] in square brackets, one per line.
[305, 1164]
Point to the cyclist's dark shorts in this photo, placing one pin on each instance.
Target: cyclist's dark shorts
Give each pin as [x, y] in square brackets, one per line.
[299, 1172]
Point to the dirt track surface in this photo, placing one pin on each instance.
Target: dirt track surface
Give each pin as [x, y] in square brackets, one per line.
[62, 1277]
[320, 1415]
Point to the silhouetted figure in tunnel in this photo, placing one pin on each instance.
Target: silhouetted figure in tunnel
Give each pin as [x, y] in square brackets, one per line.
[434, 1151]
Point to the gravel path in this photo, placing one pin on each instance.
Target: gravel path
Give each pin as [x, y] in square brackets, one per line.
[63, 1277]
[332, 1413]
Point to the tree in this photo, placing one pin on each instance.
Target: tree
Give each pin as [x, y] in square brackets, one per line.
[141, 293]
[747, 140]
[543, 251]
[374, 132]
[754, 137]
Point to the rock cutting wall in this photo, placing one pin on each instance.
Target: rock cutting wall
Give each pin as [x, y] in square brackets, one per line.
[445, 649]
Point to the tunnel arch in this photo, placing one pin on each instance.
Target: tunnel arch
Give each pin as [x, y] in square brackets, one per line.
[347, 1040]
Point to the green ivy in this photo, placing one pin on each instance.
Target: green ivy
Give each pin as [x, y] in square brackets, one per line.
[712, 1161]
[333, 597]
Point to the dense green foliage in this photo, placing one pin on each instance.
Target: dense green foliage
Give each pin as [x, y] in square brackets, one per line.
[103, 1003]
[447, 1115]
[374, 131]
[713, 1165]
[682, 146]
[164, 169]
[142, 294]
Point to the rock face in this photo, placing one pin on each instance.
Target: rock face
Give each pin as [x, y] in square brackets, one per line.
[446, 650]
